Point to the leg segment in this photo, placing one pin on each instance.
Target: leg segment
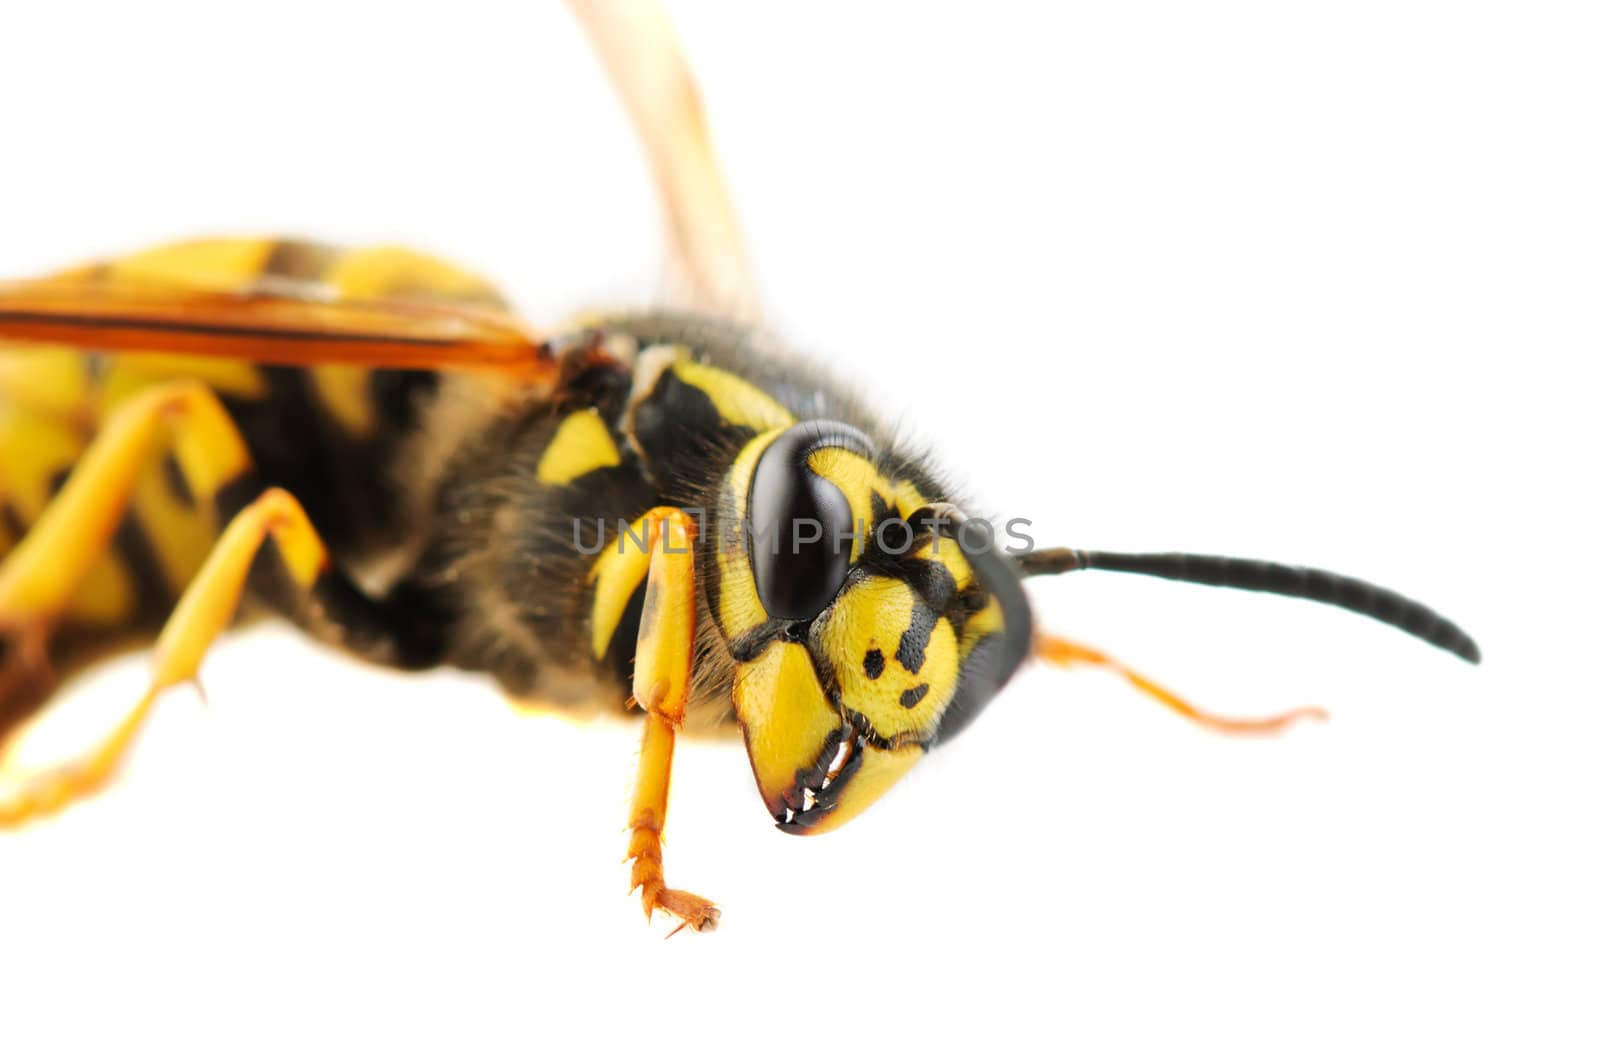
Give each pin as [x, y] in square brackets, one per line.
[1061, 652]
[205, 610]
[41, 575]
[661, 688]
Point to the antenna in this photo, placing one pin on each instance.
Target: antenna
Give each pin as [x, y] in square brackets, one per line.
[1269, 577]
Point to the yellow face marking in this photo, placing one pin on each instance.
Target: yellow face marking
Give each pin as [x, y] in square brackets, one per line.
[896, 664]
[581, 444]
[737, 401]
[738, 604]
[859, 479]
[907, 498]
[785, 715]
[946, 550]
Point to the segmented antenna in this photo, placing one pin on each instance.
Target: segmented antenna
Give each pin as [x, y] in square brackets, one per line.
[1269, 577]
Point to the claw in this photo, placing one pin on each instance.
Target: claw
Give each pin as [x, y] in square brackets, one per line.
[694, 911]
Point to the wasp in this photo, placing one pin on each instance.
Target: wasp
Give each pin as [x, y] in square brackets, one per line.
[667, 512]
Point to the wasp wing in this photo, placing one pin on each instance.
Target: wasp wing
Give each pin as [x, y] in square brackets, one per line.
[270, 322]
[640, 50]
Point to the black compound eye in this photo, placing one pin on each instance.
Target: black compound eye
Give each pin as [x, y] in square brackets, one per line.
[800, 524]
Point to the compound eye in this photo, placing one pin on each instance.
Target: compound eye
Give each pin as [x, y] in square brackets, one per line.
[800, 524]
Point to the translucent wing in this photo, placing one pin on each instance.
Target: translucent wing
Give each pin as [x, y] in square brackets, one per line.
[641, 52]
[270, 319]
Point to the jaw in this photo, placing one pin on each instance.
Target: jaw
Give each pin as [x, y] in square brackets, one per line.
[815, 770]
[815, 792]
[837, 790]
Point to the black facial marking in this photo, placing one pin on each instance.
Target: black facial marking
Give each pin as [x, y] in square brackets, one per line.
[751, 644]
[914, 642]
[932, 580]
[910, 698]
[881, 510]
[873, 663]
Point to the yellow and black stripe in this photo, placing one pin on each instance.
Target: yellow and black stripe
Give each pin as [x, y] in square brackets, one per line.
[328, 434]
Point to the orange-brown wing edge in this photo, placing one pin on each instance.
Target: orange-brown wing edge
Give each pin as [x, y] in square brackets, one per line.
[269, 328]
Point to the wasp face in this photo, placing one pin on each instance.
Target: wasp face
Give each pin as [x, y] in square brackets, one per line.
[862, 632]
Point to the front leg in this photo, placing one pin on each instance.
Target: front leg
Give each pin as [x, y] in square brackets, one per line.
[661, 676]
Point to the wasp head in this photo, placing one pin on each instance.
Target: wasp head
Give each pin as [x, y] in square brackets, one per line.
[864, 627]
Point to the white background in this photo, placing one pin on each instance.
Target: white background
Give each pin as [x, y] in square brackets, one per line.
[1310, 283]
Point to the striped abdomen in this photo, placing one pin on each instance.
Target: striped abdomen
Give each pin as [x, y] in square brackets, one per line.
[330, 434]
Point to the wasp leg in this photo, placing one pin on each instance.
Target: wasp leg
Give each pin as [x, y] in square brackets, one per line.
[1061, 652]
[305, 571]
[42, 574]
[661, 688]
[640, 50]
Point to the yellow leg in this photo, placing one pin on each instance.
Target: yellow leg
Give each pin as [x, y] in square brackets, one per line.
[205, 609]
[41, 574]
[661, 687]
[1061, 652]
